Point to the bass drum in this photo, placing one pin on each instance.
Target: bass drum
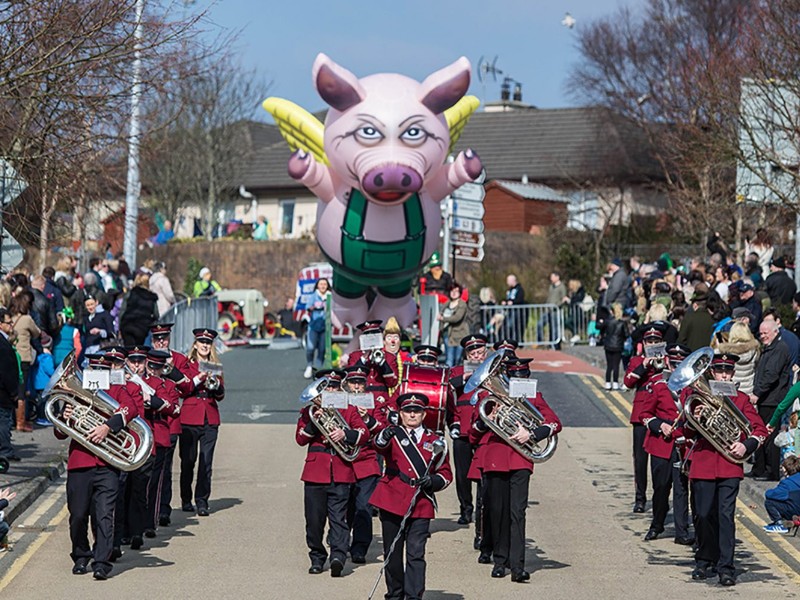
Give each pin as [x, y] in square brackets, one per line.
[433, 382]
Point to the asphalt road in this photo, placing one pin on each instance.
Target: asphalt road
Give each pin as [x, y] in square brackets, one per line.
[582, 537]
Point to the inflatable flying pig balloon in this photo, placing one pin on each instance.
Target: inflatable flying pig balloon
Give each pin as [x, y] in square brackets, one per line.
[379, 169]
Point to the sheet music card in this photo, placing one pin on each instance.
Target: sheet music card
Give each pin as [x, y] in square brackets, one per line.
[365, 400]
[723, 388]
[370, 341]
[117, 376]
[334, 400]
[469, 367]
[96, 379]
[655, 350]
[522, 388]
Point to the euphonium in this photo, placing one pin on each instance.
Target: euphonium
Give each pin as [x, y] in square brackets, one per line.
[328, 419]
[719, 420]
[126, 450]
[511, 412]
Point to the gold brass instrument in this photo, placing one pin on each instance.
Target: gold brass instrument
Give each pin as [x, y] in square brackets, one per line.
[719, 420]
[328, 419]
[511, 413]
[127, 450]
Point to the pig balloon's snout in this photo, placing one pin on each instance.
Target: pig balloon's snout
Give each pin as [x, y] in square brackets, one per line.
[391, 183]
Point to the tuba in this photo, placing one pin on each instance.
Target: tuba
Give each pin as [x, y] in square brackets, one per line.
[719, 421]
[126, 450]
[328, 419]
[511, 413]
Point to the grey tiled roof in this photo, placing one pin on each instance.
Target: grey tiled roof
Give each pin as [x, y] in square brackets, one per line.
[532, 191]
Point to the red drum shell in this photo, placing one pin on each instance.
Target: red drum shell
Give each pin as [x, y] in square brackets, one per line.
[433, 382]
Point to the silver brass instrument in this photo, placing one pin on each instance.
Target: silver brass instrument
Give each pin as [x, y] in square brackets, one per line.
[137, 379]
[511, 413]
[126, 450]
[719, 420]
[328, 419]
[214, 379]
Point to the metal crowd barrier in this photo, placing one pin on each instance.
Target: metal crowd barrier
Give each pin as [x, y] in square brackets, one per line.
[187, 315]
[577, 321]
[529, 324]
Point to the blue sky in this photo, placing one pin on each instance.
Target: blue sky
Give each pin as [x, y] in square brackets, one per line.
[412, 37]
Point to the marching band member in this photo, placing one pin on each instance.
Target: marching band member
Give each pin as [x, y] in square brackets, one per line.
[474, 352]
[408, 449]
[681, 502]
[160, 335]
[641, 374]
[328, 479]
[715, 484]
[366, 470]
[659, 415]
[165, 403]
[199, 424]
[92, 486]
[507, 479]
[382, 370]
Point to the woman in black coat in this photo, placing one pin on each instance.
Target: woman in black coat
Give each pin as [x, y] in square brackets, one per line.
[140, 312]
[614, 333]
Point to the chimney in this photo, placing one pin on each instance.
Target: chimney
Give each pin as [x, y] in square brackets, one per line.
[524, 178]
[505, 90]
[518, 92]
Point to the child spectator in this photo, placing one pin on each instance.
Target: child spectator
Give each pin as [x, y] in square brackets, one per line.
[6, 496]
[783, 501]
[44, 367]
[69, 339]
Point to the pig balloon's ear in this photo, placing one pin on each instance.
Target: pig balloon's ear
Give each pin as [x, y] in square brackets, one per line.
[445, 87]
[336, 85]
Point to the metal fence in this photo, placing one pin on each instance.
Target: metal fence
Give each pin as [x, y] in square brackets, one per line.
[187, 315]
[539, 324]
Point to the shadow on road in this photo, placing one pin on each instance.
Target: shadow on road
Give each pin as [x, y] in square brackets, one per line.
[537, 560]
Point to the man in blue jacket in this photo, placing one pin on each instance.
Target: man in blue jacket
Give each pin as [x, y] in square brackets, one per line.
[783, 501]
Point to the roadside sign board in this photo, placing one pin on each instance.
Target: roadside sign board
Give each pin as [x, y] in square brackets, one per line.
[11, 184]
[12, 254]
[467, 253]
[469, 209]
[465, 238]
[469, 225]
[473, 192]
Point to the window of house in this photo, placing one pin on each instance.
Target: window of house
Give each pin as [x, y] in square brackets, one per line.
[287, 217]
[584, 210]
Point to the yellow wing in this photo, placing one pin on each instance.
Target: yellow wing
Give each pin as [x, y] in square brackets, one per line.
[300, 129]
[458, 115]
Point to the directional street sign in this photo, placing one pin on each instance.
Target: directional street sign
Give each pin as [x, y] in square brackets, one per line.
[470, 191]
[464, 238]
[471, 210]
[473, 254]
[470, 225]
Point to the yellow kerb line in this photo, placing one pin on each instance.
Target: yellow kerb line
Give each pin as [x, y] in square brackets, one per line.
[624, 402]
[780, 540]
[587, 380]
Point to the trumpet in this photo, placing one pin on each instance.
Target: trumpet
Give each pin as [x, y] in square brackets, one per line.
[375, 356]
[213, 382]
[133, 377]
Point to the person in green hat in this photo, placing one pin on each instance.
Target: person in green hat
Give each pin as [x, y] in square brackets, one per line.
[436, 280]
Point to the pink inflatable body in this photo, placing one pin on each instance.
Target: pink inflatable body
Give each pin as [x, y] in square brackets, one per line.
[386, 141]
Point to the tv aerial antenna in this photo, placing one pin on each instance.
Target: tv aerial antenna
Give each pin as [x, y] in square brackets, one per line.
[485, 70]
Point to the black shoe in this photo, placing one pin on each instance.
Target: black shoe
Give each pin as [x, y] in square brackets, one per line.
[337, 566]
[476, 543]
[136, 542]
[164, 521]
[100, 574]
[638, 507]
[149, 533]
[484, 558]
[699, 573]
[684, 541]
[520, 576]
[202, 511]
[727, 579]
[116, 553]
[187, 507]
[315, 569]
[498, 571]
[358, 559]
[125, 541]
[652, 534]
[463, 520]
[80, 567]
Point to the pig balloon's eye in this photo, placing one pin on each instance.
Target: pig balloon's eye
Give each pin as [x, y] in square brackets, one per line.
[414, 135]
[368, 133]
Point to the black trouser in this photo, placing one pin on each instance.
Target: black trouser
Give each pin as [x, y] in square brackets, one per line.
[408, 583]
[680, 497]
[131, 508]
[359, 515]
[613, 358]
[661, 470]
[462, 458]
[715, 505]
[767, 459]
[640, 463]
[154, 488]
[133, 335]
[92, 492]
[204, 438]
[326, 501]
[508, 494]
[6, 419]
[482, 516]
[165, 509]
